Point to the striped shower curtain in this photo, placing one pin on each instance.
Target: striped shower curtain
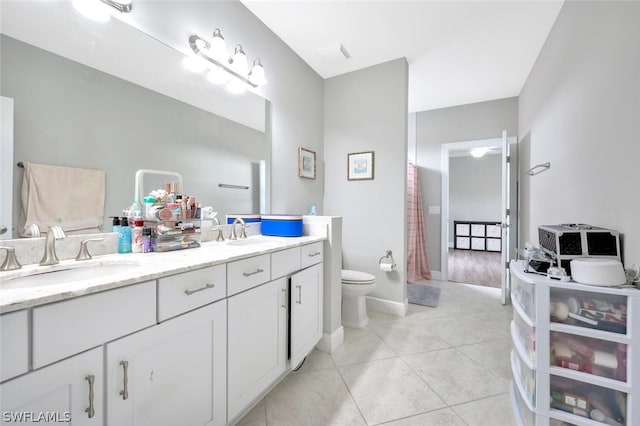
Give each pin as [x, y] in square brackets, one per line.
[417, 259]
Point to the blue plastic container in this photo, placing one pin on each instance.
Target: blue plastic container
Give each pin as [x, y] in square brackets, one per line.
[282, 225]
[248, 218]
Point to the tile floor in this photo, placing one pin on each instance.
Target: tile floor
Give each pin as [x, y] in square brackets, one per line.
[437, 366]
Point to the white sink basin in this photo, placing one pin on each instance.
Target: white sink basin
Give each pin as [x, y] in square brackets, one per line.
[64, 273]
[260, 241]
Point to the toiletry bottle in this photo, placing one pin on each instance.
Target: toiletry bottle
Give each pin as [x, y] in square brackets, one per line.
[147, 242]
[124, 236]
[136, 236]
[148, 207]
[115, 225]
[314, 209]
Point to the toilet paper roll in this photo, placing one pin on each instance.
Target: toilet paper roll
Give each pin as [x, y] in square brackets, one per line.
[387, 267]
[604, 359]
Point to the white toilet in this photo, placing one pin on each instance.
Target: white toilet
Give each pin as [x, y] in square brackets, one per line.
[355, 286]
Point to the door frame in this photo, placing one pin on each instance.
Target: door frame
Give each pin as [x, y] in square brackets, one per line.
[446, 150]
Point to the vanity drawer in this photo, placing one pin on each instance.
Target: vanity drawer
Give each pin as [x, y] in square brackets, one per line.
[247, 273]
[184, 292]
[311, 254]
[285, 262]
[66, 328]
[14, 344]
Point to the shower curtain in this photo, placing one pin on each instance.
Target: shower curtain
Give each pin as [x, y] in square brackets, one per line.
[417, 259]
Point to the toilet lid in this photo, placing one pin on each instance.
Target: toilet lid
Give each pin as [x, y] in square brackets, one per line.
[357, 277]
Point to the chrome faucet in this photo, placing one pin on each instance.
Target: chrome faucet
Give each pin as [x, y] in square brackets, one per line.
[219, 229]
[10, 262]
[50, 257]
[243, 226]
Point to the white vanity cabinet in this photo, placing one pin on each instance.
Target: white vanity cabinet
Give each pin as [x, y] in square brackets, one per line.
[257, 342]
[170, 374]
[306, 312]
[69, 391]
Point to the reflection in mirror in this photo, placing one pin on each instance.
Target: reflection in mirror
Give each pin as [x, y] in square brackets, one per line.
[86, 99]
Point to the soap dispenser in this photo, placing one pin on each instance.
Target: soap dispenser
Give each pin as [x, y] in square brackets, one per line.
[124, 236]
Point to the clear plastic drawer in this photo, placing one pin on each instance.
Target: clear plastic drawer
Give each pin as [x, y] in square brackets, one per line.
[524, 294]
[525, 379]
[526, 337]
[606, 312]
[589, 355]
[607, 406]
[522, 412]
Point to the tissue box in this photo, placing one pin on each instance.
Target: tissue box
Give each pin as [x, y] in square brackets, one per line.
[282, 225]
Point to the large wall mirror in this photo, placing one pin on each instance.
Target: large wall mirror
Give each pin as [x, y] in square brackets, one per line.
[108, 96]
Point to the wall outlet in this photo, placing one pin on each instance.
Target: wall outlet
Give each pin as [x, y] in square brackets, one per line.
[434, 209]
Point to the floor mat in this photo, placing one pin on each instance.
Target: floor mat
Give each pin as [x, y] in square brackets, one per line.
[423, 295]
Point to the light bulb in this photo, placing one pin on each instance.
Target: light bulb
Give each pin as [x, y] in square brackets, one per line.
[479, 152]
[257, 74]
[239, 63]
[236, 86]
[93, 9]
[218, 76]
[194, 63]
[218, 49]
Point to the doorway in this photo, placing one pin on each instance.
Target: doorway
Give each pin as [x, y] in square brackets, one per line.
[479, 180]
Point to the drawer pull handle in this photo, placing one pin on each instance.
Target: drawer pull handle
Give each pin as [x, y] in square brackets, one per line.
[315, 254]
[299, 301]
[90, 410]
[125, 392]
[284, 297]
[257, 271]
[189, 292]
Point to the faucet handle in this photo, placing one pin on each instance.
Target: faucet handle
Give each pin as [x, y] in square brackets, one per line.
[243, 230]
[84, 254]
[10, 262]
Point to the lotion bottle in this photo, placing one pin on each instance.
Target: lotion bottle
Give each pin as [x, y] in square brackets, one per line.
[124, 236]
[136, 236]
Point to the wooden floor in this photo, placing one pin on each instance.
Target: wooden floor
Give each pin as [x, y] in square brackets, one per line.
[475, 267]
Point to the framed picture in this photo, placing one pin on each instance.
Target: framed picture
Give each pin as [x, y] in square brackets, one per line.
[306, 163]
[360, 165]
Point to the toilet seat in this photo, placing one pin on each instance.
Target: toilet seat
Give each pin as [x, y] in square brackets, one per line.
[357, 277]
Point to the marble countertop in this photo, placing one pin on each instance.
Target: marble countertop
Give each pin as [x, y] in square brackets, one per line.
[126, 269]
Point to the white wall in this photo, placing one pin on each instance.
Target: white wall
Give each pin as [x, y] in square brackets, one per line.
[580, 110]
[475, 189]
[483, 120]
[366, 110]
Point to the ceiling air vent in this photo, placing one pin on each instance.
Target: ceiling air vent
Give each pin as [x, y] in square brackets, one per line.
[334, 53]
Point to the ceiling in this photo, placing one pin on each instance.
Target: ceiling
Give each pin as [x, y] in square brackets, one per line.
[459, 52]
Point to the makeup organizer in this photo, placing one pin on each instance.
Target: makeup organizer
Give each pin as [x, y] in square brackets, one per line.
[174, 219]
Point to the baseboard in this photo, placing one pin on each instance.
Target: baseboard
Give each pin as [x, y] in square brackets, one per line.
[385, 306]
[330, 342]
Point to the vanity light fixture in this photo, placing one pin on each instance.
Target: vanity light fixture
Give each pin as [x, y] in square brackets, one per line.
[234, 72]
[101, 10]
[478, 152]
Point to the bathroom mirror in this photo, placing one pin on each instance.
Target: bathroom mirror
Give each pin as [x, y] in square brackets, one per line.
[107, 96]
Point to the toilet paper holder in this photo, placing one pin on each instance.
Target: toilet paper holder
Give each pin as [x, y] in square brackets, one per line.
[387, 263]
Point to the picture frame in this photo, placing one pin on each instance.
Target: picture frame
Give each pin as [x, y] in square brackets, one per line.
[306, 163]
[361, 165]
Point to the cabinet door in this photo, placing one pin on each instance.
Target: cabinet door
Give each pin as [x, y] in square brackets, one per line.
[306, 312]
[257, 342]
[69, 391]
[173, 373]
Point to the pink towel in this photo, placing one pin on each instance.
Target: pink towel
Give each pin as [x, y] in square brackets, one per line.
[417, 258]
[69, 197]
